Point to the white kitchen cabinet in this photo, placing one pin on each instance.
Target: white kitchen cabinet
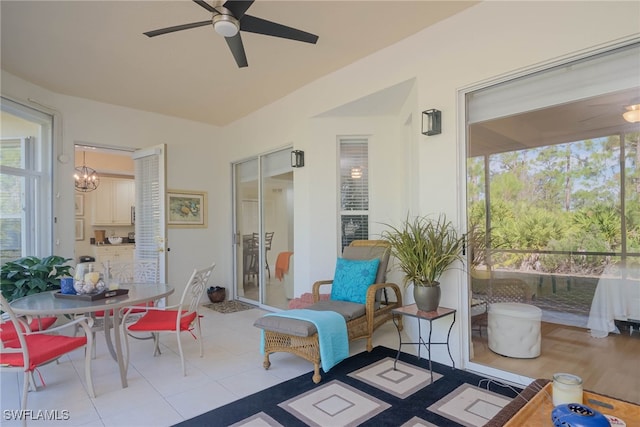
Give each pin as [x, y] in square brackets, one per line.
[113, 253]
[113, 200]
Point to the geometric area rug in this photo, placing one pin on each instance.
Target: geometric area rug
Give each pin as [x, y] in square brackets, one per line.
[366, 390]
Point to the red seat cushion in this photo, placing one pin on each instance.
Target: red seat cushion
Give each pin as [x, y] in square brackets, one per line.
[8, 330]
[42, 348]
[156, 320]
[100, 313]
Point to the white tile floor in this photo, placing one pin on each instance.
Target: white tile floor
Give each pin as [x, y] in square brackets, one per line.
[158, 394]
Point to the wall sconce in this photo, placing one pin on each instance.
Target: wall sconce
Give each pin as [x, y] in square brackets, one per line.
[431, 122]
[297, 158]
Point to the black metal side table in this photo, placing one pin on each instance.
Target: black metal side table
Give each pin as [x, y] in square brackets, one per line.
[429, 316]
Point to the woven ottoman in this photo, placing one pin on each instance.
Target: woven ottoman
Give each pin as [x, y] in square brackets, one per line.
[299, 337]
[514, 329]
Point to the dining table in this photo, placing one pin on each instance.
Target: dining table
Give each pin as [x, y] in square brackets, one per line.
[47, 303]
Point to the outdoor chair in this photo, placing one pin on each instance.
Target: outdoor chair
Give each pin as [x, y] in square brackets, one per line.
[364, 307]
[8, 329]
[174, 319]
[28, 324]
[32, 349]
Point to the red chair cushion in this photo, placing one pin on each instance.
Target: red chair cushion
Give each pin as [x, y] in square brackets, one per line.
[8, 330]
[100, 313]
[156, 320]
[42, 348]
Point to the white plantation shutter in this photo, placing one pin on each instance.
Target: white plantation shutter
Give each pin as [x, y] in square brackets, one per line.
[354, 190]
[150, 201]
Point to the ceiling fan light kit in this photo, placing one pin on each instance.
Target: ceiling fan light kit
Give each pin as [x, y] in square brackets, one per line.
[632, 115]
[230, 18]
[226, 25]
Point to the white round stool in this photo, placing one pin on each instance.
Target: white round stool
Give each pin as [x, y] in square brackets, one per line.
[514, 329]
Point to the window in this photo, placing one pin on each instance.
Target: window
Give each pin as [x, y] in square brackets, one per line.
[354, 190]
[25, 182]
[544, 169]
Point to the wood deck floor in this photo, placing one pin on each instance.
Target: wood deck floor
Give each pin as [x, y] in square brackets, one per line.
[609, 366]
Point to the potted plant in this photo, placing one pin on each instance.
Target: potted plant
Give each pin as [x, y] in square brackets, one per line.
[425, 248]
[31, 275]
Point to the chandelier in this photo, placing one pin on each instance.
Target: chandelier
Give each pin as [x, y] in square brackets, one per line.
[86, 179]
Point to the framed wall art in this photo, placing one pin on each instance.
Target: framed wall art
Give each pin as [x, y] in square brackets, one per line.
[79, 229]
[187, 209]
[79, 204]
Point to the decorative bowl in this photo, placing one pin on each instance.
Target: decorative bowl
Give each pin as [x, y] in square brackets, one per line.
[115, 240]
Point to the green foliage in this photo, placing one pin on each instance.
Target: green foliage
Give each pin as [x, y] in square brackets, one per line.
[600, 220]
[425, 248]
[31, 275]
[560, 198]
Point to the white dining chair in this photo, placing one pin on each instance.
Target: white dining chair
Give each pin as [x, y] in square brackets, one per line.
[174, 319]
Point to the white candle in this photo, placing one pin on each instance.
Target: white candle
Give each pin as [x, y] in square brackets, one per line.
[567, 388]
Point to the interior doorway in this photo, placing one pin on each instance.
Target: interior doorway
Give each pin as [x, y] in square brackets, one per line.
[126, 205]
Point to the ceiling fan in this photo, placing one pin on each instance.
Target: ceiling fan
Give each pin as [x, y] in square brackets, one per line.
[230, 18]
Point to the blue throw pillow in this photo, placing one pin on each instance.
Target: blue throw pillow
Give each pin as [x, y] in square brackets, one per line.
[352, 278]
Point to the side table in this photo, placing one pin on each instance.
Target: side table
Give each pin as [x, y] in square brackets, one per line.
[429, 316]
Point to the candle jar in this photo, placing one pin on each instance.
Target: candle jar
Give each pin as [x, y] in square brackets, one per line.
[567, 388]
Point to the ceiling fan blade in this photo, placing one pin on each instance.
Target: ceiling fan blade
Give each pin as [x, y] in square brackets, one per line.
[237, 49]
[262, 26]
[206, 6]
[238, 7]
[177, 28]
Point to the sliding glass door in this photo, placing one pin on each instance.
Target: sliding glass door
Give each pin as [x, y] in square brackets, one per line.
[263, 192]
[553, 209]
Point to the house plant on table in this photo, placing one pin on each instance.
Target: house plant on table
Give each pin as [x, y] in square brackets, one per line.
[31, 275]
[424, 248]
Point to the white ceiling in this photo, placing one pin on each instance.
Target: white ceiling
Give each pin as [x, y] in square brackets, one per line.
[96, 50]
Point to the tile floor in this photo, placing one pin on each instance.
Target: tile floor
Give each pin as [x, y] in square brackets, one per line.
[158, 394]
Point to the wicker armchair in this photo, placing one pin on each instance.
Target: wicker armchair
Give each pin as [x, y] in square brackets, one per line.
[377, 309]
[301, 338]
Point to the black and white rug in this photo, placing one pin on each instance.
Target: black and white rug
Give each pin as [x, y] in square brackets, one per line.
[365, 389]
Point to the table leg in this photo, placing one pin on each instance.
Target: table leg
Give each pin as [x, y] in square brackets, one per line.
[117, 353]
[453, 363]
[106, 321]
[428, 347]
[395, 322]
[116, 331]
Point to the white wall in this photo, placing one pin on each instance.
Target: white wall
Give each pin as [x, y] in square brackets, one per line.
[410, 172]
[489, 40]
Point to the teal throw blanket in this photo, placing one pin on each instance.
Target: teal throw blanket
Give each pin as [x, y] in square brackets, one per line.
[332, 334]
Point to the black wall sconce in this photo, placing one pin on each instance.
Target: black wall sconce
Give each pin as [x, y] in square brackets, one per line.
[297, 158]
[431, 122]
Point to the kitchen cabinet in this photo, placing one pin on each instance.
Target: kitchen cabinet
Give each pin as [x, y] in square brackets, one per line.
[113, 253]
[113, 200]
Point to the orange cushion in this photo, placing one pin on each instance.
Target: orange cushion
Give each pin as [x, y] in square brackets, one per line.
[42, 348]
[156, 320]
[8, 330]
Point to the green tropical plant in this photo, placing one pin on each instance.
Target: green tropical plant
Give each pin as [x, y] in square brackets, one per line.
[425, 248]
[31, 275]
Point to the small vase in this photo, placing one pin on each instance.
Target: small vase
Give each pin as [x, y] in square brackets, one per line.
[427, 297]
